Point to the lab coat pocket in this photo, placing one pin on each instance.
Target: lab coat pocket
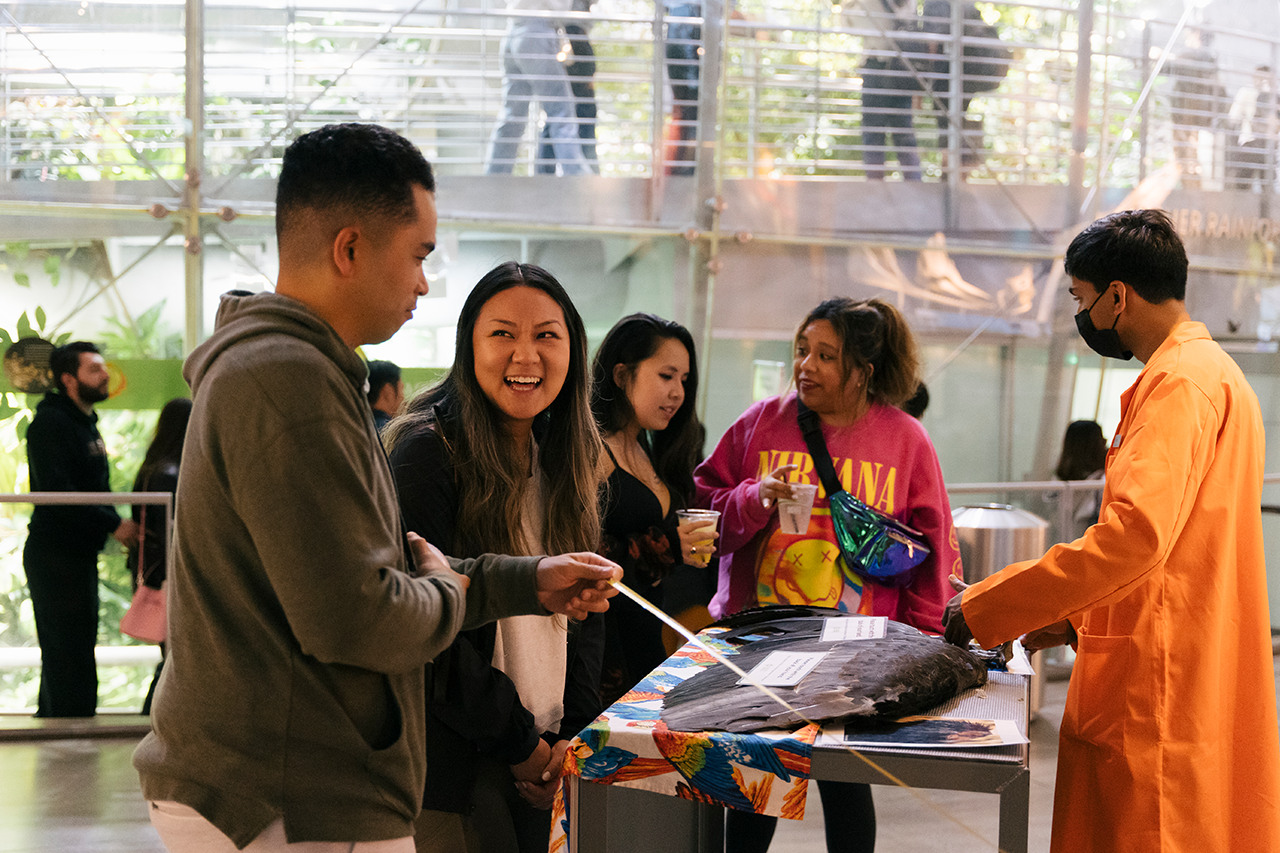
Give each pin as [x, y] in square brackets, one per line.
[1098, 694]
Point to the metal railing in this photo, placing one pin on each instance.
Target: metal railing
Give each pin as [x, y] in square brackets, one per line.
[100, 96]
[24, 657]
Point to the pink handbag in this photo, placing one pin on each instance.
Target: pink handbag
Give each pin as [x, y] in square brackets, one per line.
[146, 618]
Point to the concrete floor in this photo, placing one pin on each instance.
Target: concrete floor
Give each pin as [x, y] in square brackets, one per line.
[72, 788]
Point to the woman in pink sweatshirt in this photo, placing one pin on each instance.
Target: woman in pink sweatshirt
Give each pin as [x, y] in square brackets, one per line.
[854, 363]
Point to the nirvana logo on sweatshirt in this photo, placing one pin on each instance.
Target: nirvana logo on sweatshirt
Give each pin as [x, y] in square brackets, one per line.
[805, 568]
[871, 482]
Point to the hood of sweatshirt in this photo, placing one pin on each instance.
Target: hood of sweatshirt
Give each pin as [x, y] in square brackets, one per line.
[243, 315]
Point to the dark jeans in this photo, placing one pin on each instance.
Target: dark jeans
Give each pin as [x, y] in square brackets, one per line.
[683, 71]
[970, 129]
[886, 111]
[64, 597]
[848, 816]
[1247, 164]
[582, 80]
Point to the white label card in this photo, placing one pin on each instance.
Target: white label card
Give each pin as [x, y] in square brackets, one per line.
[840, 628]
[784, 669]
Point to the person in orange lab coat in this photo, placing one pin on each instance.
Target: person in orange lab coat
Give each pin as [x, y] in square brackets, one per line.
[1169, 739]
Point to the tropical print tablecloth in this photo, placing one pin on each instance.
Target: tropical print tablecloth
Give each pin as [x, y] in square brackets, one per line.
[764, 772]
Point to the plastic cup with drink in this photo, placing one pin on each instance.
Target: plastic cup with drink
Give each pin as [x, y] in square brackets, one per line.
[704, 521]
[794, 512]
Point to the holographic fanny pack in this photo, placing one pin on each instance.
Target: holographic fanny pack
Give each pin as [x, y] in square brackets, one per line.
[874, 546]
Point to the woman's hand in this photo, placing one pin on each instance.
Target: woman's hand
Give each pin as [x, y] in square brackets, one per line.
[697, 541]
[774, 486]
[534, 767]
[542, 793]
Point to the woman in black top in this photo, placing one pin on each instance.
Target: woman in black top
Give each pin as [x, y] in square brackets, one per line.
[501, 457]
[644, 382]
[148, 560]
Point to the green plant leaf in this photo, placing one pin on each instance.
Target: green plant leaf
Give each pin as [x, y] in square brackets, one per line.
[18, 251]
[22, 279]
[24, 327]
[40, 317]
[5, 338]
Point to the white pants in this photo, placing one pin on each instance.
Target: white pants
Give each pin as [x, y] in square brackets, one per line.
[183, 830]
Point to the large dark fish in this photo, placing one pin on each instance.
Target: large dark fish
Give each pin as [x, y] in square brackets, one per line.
[905, 672]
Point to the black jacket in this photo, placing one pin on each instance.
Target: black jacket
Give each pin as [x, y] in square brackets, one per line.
[153, 533]
[472, 707]
[65, 453]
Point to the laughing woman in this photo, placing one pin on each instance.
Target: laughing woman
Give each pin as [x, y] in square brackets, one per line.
[501, 457]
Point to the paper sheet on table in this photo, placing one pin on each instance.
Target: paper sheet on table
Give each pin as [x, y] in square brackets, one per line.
[840, 628]
[783, 669]
[924, 731]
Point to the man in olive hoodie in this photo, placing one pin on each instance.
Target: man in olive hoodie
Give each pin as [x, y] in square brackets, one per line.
[290, 708]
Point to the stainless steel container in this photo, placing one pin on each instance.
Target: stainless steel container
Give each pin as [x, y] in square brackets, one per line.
[991, 537]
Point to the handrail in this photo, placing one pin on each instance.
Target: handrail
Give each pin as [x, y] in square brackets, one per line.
[1067, 488]
[87, 498]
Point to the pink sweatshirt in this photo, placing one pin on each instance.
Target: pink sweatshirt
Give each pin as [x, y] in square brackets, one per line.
[885, 459]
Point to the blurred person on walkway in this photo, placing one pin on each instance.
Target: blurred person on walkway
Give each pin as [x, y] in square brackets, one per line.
[580, 64]
[532, 72]
[1253, 121]
[1195, 102]
[891, 78]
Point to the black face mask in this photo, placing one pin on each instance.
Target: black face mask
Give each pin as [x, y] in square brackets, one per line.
[1105, 342]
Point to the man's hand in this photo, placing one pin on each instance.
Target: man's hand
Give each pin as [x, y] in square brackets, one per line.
[429, 559]
[577, 584]
[1058, 634]
[953, 624]
[127, 533]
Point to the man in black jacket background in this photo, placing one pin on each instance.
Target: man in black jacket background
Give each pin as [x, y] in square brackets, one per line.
[65, 453]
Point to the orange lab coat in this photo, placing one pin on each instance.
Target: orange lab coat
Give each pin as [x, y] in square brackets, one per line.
[1169, 740]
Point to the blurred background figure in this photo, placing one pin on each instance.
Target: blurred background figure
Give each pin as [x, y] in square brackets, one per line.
[1084, 454]
[149, 559]
[386, 392]
[532, 71]
[65, 453]
[888, 85]
[581, 67]
[1195, 102]
[918, 403]
[684, 58]
[984, 63]
[1252, 120]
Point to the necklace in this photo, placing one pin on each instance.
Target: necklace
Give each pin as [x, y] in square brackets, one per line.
[637, 463]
